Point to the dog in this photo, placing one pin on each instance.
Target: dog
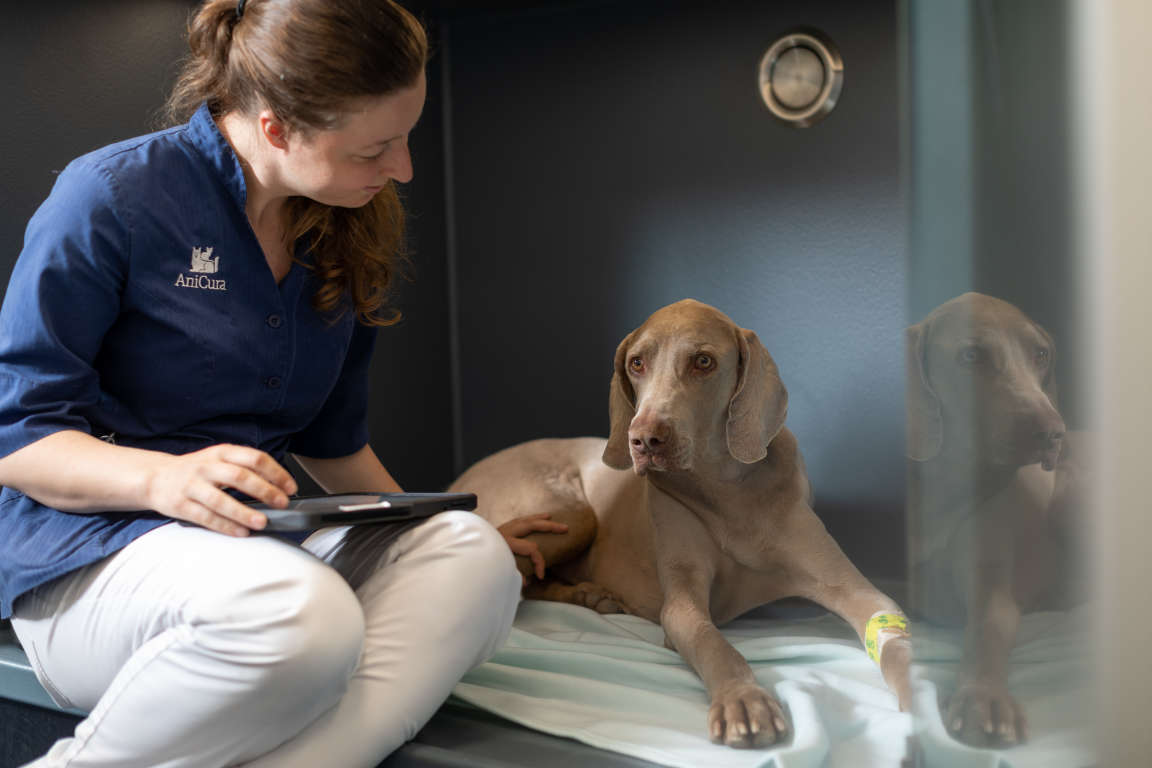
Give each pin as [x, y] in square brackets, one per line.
[713, 519]
[994, 495]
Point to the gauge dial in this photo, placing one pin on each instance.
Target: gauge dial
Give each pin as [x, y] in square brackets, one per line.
[800, 77]
[797, 77]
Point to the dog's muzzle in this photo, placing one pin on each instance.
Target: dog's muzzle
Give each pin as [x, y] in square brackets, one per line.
[655, 447]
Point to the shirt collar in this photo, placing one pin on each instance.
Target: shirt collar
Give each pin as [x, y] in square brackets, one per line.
[206, 137]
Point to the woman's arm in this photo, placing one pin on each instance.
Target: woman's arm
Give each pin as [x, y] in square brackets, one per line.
[360, 471]
[66, 292]
[76, 472]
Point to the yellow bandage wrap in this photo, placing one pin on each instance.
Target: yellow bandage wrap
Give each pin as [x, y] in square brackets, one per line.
[881, 628]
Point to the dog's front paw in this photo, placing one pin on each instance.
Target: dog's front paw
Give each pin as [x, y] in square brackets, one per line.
[597, 598]
[746, 716]
[984, 714]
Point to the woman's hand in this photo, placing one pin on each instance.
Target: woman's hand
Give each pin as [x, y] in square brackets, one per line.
[190, 487]
[513, 530]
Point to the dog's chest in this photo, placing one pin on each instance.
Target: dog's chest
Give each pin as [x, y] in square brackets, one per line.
[745, 539]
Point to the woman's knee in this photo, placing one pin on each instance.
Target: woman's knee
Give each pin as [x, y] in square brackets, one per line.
[487, 599]
[300, 625]
[479, 547]
[320, 616]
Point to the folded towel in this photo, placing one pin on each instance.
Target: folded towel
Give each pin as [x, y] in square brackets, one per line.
[608, 681]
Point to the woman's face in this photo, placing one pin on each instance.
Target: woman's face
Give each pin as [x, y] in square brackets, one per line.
[346, 166]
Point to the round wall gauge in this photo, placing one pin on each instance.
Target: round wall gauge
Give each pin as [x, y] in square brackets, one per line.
[800, 77]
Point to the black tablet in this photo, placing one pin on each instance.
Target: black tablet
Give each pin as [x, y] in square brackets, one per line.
[305, 513]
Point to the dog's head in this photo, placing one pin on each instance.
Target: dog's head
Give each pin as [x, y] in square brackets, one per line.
[689, 383]
[980, 376]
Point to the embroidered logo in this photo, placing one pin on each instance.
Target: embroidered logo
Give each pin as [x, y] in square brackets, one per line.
[202, 260]
[203, 264]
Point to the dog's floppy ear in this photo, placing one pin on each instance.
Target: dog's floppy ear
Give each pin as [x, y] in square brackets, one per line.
[924, 425]
[1049, 382]
[759, 404]
[621, 411]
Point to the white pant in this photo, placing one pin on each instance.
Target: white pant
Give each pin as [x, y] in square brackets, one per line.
[191, 648]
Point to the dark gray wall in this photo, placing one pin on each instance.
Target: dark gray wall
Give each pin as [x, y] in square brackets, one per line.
[77, 76]
[411, 411]
[613, 157]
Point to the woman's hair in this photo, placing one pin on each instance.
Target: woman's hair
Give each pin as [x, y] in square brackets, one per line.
[308, 61]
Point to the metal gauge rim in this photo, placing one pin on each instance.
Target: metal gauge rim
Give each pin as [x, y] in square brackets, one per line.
[833, 65]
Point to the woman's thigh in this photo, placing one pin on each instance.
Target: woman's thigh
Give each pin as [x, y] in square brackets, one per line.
[460, 541]
[80, 629]
[438, 598]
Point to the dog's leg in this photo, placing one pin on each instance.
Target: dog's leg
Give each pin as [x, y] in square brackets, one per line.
[838, 585]
[741, 713]
[585, 594]
[981, 711]
[558, 548]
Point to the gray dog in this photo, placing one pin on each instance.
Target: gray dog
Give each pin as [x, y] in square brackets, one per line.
[714, 519]
[995, 495]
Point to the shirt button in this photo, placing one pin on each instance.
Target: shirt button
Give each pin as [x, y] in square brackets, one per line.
[274, 321]
[273, 382]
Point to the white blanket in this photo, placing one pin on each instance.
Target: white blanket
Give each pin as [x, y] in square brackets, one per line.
[1050, 676]
[608, 681]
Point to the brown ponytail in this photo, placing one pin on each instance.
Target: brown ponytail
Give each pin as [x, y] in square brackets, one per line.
[307, 60]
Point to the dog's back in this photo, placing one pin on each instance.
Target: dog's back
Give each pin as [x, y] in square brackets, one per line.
[530, 477]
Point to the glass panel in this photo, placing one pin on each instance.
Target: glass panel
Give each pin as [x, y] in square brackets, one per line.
[997, 415]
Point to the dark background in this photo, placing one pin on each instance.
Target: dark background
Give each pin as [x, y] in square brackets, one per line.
[580, 164]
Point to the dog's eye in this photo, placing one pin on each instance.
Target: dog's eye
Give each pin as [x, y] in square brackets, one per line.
[636, 364]
[1042, 356]
[971, 355]
[704, 362]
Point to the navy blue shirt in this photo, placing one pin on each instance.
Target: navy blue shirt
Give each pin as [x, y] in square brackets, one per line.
[142, 310]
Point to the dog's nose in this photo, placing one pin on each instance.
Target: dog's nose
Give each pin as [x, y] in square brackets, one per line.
[1049, 436]
[649, 437]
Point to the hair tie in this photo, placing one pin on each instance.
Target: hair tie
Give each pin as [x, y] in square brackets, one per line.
[240, 8]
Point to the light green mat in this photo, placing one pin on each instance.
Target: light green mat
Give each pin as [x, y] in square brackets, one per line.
[608, 681]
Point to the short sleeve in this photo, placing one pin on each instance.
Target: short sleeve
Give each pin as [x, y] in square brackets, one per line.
[341, 426]
[63, 296]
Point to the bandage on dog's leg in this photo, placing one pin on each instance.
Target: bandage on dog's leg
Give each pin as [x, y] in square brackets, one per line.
[882, 627]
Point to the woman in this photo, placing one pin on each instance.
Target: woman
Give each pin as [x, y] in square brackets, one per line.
[189, 307]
